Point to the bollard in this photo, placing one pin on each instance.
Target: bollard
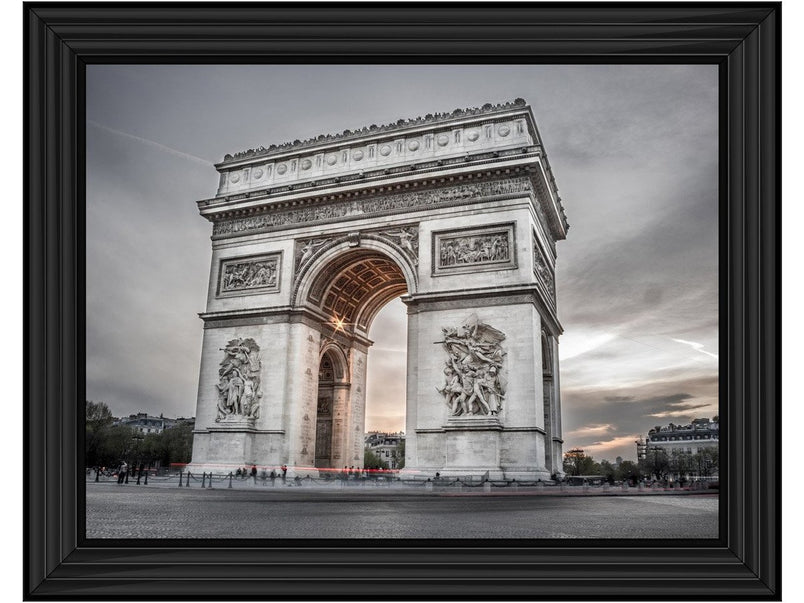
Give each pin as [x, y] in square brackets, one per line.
[146, 478]
[139, 475]
[230, 479]
[97, 475]
[188, 480]
[487, 486]
[204, 480]
[181, 476]
[209, 486]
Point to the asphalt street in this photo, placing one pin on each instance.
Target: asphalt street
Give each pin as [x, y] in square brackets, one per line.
[130, 511]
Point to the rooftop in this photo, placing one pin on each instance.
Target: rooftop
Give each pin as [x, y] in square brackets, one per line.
[347, 135]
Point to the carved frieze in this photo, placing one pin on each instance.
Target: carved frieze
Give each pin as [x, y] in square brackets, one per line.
[543, 271]
[375, 205]
[490, 247]
[474, 372]
[238, 387]
[253, 274]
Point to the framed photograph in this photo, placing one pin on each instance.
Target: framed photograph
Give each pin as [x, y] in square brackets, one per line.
[184, 257]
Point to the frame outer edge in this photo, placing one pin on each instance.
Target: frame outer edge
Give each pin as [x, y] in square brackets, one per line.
[53, 341]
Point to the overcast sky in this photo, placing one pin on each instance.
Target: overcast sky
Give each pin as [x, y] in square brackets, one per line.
[634, 152]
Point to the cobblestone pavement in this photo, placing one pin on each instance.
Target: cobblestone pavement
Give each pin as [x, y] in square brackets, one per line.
[130, 511]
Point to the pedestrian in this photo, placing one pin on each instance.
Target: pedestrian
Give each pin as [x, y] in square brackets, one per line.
[273, 477]
[254, 473]
[122, 471]
[284, 473]
[139, 472]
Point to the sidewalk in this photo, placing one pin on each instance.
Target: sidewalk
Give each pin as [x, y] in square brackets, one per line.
[356, 486]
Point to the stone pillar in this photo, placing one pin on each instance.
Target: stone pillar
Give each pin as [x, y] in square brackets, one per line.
[356, 418]
[510, 443]
[301, 403]
[555, 414]
[340, 409]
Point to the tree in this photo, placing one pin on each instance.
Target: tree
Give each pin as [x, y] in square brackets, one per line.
[97, 417]
[628, 471]
[114, 444]
[681, 463]
[174, 445]
[657, 463]
[705, 461]
[577, 463]
[372, 461]
[608, 471]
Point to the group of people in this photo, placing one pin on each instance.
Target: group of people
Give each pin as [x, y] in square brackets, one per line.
[124, 471]
[246, 473]
[349, 472]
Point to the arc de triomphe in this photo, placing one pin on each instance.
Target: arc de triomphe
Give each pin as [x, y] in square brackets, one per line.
[458, 214]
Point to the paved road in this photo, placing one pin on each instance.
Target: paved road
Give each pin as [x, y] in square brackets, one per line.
[150, 512]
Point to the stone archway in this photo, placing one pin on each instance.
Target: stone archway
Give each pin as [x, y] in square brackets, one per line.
[456, 213]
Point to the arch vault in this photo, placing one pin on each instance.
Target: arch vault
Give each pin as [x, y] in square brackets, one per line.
[458, 214]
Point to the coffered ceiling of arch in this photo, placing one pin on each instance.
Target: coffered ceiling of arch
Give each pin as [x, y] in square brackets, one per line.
[368, 281]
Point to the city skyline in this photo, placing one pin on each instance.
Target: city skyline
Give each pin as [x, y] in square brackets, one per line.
[634, 150]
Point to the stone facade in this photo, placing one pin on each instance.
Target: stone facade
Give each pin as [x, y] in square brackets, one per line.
[457, 213]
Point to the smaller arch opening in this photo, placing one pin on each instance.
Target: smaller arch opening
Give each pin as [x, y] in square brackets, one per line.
[331, 377]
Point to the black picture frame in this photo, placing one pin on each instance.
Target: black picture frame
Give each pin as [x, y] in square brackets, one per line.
[744, 39]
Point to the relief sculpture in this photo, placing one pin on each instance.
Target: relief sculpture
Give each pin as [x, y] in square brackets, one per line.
[305, 249]
[474, 380]
[242, 275]
[543, 271]
[238, 385]
[462, 251]
[375, 204]
[407, 238]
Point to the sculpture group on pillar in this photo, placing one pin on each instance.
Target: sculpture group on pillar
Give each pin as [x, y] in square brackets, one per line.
[474, 377]
[239, 381]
